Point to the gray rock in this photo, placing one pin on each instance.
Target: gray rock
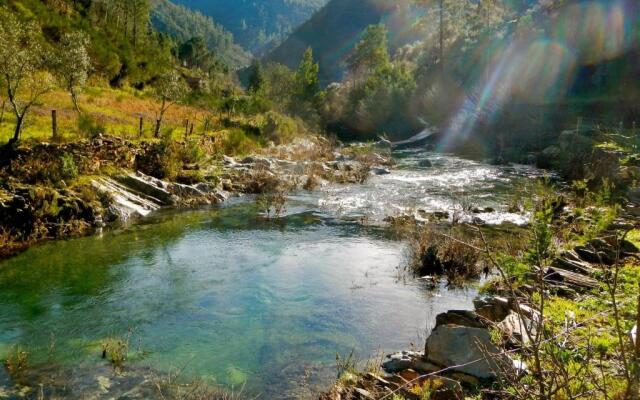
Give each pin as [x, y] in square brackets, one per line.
[401, 361]
[380, 171]
[494, 308]
[425, 164]
[460, 317]
[633, 194]
[465, 349]
[515, 328]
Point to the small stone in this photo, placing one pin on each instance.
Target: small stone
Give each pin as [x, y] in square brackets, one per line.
[400, 361]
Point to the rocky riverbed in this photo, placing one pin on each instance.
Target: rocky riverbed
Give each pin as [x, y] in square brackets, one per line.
[52, 191]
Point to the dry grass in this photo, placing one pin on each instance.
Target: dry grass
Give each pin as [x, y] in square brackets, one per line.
[452, 253]
[118, 111]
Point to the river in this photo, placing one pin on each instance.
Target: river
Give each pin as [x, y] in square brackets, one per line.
[237, 300]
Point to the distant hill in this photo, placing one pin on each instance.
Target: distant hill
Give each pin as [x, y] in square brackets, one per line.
[183, 24]
[334, 30]
[257, 23]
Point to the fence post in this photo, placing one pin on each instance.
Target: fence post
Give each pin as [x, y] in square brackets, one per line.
[140, 127]
[186, 129]
[54, 124]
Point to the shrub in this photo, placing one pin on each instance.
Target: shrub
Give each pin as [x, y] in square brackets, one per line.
[68, 168]
[237, 142]
[89, 126]
[452, 255]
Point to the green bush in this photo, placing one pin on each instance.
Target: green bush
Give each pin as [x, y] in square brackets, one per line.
[237, 142]
[68, 167]
[89, 126]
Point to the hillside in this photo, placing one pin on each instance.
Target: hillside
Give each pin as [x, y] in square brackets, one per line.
[183, 24]
[333, 32]
[256, 24]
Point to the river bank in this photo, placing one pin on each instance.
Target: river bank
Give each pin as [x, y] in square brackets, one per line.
[58, 191]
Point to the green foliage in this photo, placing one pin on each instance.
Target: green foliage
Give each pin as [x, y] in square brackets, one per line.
[89, 126]
[22, 57]
[307, 78]
[256, 77]
[71, 63]
[255, 24]
[371, 53]
[237, 142]
[68, 168]
[184, 24]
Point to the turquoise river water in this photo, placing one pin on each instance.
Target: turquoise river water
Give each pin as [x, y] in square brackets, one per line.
[235, 299]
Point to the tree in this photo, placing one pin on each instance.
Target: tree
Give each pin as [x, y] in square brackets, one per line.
[461, 19]
[194, 53]
[371, 53]
[256, 77]
[22, 59]
[72, 64]
[307, 77]
[169, 88]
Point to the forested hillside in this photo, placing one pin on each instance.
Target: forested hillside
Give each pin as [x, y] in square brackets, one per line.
[257, 24]
[333, 32]
[477, 68]
[183, 24]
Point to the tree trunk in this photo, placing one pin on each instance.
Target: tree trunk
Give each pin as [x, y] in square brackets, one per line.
[442, 35]
[54, 125]
[158, 123]
[18, 130]
[74, 100]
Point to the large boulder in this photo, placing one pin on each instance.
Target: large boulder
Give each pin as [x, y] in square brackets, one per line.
[466, 349]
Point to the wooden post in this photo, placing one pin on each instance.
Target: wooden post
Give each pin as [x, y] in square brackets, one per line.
[191, 130]
[186, 129]
[54, 125]
[140, 127]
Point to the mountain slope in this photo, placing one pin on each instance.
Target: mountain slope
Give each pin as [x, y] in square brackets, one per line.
[253, 23]
[183, 24]
[333, 32]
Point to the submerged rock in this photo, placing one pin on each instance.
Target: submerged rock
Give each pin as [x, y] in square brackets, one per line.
[380, 171]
